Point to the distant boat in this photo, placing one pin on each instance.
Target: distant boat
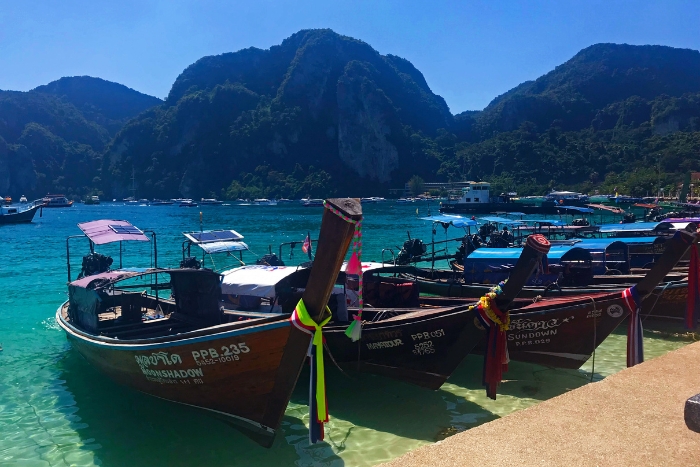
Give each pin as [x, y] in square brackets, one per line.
[284, 200]
[144, 201]
[57, 201]
[188, 203]
[130, 200]
[18, 214]
[160, 202]
[7, 200]
[307, 203]
[92, 200]
[367, 200]
[405, 200]
[210, 201]
[264, 202]
[23, 199]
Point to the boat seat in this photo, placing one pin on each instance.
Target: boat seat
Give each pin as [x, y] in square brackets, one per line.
[133, 305]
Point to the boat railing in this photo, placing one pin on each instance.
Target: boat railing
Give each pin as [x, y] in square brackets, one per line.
[292, 246]
[393, 256]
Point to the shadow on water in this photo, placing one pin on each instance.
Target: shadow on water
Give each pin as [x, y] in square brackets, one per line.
[124, 427]
[522, 380]
[389, 406]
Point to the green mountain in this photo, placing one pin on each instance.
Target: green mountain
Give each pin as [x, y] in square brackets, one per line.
[106, 103]
[323, 114]
[52, 138]
[317, 114]
[575, 92]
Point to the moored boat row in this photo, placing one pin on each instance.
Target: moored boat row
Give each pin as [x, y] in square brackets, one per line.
[196, 330]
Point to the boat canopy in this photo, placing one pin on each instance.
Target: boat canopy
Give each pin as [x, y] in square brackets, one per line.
[217, 241]
[557, 253]
[689, 226]
[635, 227]
[255, 280]
[457, 221]
[674, 220]
[109, 231]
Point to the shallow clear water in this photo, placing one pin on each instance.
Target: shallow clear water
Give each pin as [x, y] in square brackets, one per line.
[55, 410]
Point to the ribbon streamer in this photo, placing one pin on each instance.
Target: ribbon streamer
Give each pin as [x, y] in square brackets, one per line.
[497, 323]
[318, 406]
[635, 333]
[692, 310]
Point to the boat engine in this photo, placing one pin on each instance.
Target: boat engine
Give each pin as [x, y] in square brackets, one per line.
[412, 250]
[629, 218]
[500, 239]
[95, 263]
[190, 263]
[270, 260]
[469, 244]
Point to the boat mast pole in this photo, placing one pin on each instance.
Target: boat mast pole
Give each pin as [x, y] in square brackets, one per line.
[333, 242]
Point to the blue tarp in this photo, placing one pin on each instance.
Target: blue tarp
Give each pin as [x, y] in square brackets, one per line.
[457, 221]
[491, 265]
[511, 255]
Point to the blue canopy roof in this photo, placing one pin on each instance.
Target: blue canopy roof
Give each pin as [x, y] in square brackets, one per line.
[631, 227]
[629, 240]
[556, 252]
[598, 244]
[457, 221]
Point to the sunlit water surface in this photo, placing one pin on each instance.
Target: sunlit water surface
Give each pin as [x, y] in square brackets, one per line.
[55, 410]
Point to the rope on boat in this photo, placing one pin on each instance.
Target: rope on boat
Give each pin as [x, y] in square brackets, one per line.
[328, 350]
[595, 334]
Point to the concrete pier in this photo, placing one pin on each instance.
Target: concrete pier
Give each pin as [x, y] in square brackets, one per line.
[634, 417]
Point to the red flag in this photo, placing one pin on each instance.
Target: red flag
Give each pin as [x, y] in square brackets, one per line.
[306, 247]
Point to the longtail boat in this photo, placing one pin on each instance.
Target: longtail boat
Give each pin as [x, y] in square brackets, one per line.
[183, 347]
[420, 341]
[563, 332]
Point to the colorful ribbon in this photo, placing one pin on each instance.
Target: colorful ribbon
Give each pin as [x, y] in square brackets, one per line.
[693, 304]
[497, 323]
[635, 333]
[354, 266]
[318, 405]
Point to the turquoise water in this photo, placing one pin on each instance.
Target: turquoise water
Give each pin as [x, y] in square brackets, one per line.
[55, 410]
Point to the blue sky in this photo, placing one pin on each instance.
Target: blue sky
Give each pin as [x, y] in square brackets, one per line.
[469, 51]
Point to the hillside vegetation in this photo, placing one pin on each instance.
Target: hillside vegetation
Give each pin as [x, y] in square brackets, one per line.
[52, 138]
[323, 114]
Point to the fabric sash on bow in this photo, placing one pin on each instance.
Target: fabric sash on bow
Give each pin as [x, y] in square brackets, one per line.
[692, 310]
[496, 357]
[318, 406]
[635, 333]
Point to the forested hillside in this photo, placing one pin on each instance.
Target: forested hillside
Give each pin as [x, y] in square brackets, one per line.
[323, 114]
[52, 138]
[613, 116]
[319, 114]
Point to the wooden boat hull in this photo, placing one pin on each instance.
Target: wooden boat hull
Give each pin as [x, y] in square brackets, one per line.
[564, 332]
[233, 372]
[422, 347]
[671, 301]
